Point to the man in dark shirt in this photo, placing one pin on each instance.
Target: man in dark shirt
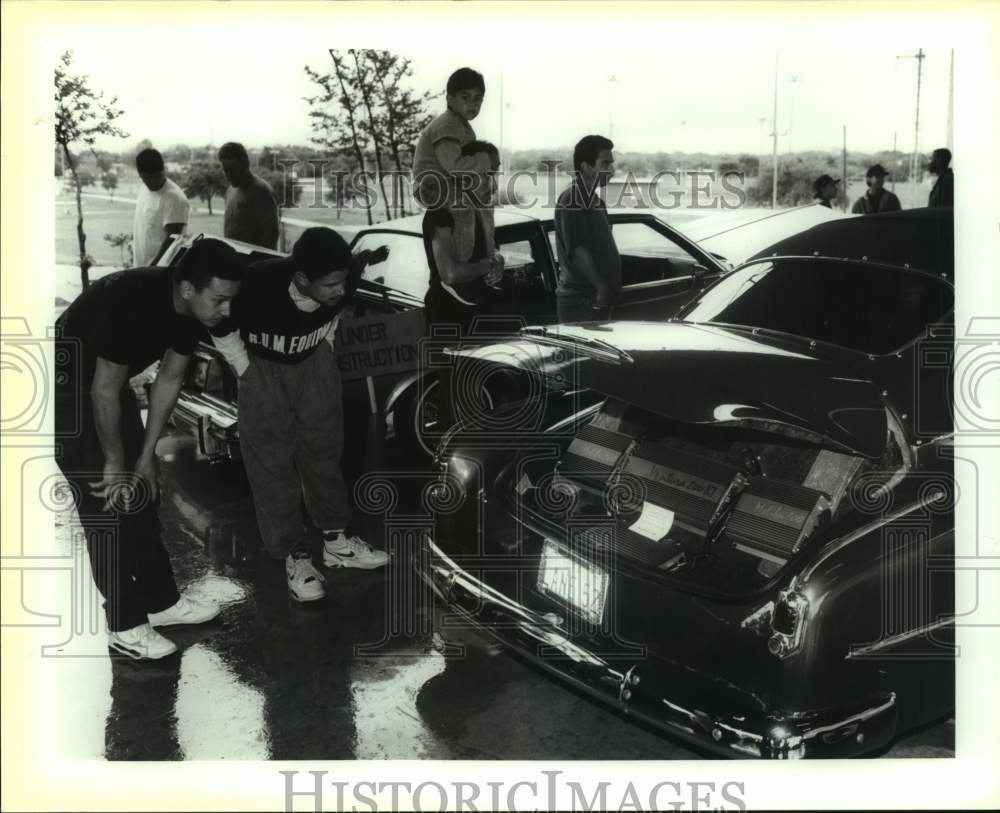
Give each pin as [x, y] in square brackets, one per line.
[251, 208]
[825, 190]
[877, 198]
[279, 341]
[115, 329]
[943, 192]
[590, 272]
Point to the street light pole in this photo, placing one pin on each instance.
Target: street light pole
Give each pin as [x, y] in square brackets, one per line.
[920, 56]
[774, 139]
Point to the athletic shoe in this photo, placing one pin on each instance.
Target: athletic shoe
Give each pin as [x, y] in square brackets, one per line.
[305, 582]
[141, 643]
[185, 611]
[350, 551]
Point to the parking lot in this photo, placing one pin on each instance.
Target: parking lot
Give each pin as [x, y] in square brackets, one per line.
[362, 674]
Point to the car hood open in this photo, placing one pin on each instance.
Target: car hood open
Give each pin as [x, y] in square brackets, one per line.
[700, 373]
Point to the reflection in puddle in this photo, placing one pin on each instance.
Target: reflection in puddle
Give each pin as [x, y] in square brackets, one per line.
[218, 717]
[387, 723]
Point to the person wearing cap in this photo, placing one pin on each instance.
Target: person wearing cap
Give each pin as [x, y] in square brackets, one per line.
[877, 198]
[279, 340]
[115, 329]
[943, 192]
[825, 189]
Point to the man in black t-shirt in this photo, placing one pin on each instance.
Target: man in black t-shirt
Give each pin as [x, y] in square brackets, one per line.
[279, 341]
[116, 328]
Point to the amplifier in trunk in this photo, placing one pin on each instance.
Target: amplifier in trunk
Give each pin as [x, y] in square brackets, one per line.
[684, 495]
[772, 518]
[593, 456]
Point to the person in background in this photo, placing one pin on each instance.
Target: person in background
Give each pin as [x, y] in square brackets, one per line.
[943, 191]
[590, 272]
[438, 153]
[116, 328]
[877, 198]
[251, 207]
[825, 190]
[279, 341]
[161, 210]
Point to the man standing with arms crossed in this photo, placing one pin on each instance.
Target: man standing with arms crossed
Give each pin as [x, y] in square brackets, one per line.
[280, 343]
[590, 272]
[115, 329]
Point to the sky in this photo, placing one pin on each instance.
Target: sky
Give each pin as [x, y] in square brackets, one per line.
[712, 98]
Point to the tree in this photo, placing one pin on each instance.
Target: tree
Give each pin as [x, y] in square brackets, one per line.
[203, 180]
[123, 242]
[404, 114]
[337, 130]
[109, 180]
[82, 115]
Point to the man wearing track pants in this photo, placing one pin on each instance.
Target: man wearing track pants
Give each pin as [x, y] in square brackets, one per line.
[279, 341]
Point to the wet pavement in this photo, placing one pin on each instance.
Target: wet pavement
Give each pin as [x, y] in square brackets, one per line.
[358, 675]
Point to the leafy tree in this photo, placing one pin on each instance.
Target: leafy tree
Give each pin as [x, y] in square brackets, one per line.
[204, 180]
[335, 114]
[109, 180]
[403, 114]
[82, 116]
[123, 242]
[84, 177]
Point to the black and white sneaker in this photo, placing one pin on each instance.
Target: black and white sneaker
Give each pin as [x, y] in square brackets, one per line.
[141, 643]
[305, 582]
[351, 551]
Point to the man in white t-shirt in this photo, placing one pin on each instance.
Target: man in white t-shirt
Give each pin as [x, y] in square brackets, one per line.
[161, 210]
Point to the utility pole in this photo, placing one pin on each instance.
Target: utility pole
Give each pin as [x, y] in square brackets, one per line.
[843, 173]
[951, 102]
[611, 107]
[895, 163]
[774, 139]
[920, 56]
[791, 107]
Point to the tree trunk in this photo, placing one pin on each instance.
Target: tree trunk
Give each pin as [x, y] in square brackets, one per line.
[209, 202]
[366, 99]
[358, 152]
[80, 234]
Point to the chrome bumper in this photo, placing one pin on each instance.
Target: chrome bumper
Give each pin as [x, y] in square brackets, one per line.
[674, 700]
[211, 421]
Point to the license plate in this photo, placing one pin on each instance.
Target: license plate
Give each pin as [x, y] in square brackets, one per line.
[580, 585]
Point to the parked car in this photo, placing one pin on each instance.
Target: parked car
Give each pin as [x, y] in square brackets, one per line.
[738, 525]
[662, 270]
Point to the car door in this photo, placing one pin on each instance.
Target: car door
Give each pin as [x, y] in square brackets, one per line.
[527, 291]
[661, 270]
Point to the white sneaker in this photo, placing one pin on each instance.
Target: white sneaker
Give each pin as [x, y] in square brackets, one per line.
[141, 643]
[185, 611]
[305, 582]
[351, 551]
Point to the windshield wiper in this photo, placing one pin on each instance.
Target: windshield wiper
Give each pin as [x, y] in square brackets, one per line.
[598, 347]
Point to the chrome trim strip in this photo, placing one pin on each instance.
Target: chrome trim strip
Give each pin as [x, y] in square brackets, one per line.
[861, 651]
[806, 574]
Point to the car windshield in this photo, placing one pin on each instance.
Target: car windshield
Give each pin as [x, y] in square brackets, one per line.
[870, 309]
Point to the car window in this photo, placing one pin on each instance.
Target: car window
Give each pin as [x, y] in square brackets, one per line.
[405, 269]
[648, 255]
[871, 309]
[519, 259]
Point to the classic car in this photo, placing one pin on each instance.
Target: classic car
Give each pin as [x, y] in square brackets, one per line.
[662, 269]
[736, 526]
